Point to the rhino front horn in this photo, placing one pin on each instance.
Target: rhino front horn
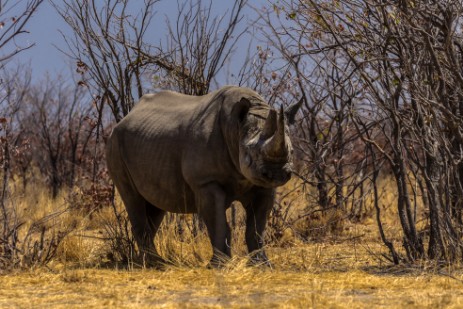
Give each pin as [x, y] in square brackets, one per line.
[270, 125]
[275, 147]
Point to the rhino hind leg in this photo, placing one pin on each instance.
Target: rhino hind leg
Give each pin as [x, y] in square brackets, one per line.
[145, 220]
[154, 216]
[145, 225]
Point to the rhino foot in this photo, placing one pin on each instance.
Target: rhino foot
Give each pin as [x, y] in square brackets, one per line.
[152, 261]
[219, 260]
[259, 258]
[215, 265]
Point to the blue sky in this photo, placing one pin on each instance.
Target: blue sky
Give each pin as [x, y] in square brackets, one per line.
[45, 25]
[44, 32]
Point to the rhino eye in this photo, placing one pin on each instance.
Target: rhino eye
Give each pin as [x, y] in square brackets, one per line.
[247, 160]
[242, 115]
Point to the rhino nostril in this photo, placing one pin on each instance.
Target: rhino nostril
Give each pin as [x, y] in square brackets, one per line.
[268, 174]
[288, 175]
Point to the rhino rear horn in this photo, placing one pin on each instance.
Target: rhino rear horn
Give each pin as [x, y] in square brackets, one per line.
[291, 111]
[276, 145]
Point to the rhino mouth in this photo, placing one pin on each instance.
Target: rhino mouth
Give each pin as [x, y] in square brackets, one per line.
[276, 176]
[268, 174]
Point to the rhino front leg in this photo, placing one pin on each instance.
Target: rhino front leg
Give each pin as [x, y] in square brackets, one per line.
[257, 212]
[211, 201]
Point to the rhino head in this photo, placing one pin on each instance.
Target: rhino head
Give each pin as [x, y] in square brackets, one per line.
[265, 150]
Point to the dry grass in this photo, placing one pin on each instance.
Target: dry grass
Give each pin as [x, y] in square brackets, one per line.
[346, 270]
[309, 276]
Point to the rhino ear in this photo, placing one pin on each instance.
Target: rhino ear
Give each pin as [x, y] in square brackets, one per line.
[240, 109]
[291, 111]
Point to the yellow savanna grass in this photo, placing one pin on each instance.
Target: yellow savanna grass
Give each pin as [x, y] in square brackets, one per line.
[308, 276]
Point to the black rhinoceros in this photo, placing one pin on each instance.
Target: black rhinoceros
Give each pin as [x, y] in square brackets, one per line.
[198, 154]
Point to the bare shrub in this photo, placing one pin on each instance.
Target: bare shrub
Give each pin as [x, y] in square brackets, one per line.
[118, 236]
[22, 244]
[60, 130]
[25, 243]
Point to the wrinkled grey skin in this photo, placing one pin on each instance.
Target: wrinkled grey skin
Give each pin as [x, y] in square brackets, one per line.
[189, 154]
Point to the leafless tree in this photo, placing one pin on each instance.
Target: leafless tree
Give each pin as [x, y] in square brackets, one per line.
[199, 45]
[109, 48]
[13, 93]
[19, 245]
[14, 16]
[327, 142]
[15, 248]
[400, 64]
